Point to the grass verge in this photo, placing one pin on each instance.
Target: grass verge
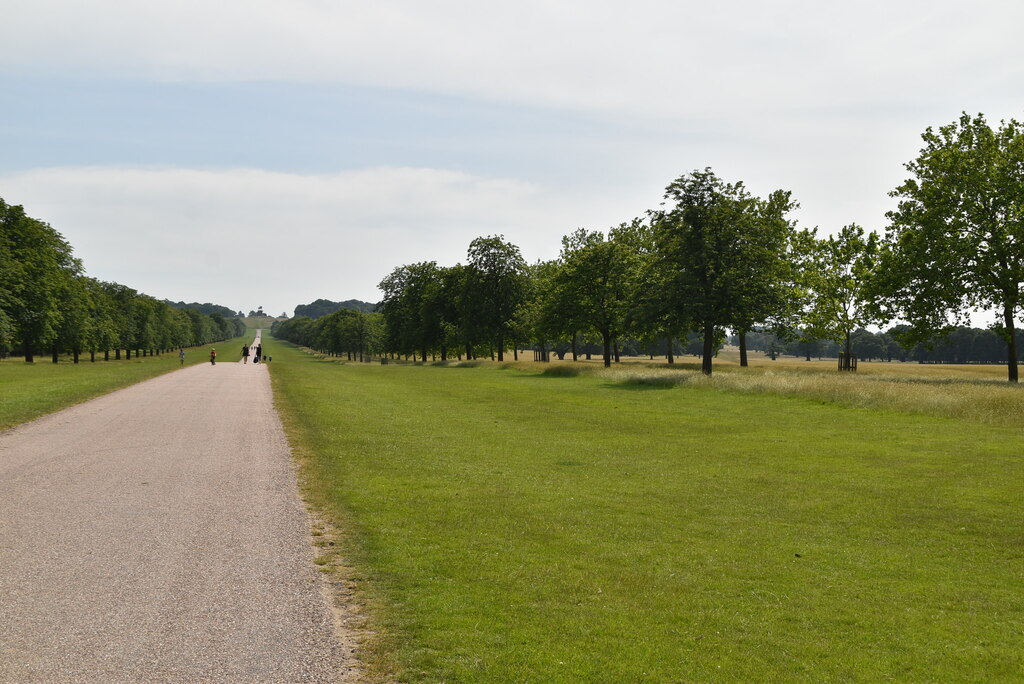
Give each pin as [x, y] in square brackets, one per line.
[517, 527]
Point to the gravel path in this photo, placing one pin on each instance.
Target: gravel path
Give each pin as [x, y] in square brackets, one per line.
[156, 535]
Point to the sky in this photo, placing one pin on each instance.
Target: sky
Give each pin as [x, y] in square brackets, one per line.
[269, 153]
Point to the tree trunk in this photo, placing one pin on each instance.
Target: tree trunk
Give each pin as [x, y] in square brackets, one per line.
[29, 353]
[575, 356]
[669, 355]
[709, 347]
[106, 354]
[75, 354]
[501, 347]
[1011, 344]
[117, 354]
[743, 348]
[618, 355]
[444, 351]
[606, 337]
[55, 355]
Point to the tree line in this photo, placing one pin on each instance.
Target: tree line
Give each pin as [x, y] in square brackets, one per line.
[48, 304]
[959, 346]
[714, 258]
[345, 332]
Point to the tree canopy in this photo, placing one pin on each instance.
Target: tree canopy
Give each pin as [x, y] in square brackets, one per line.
[47, 303]
[956, 241]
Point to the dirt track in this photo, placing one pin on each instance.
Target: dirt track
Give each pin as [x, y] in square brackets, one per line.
[156, 535]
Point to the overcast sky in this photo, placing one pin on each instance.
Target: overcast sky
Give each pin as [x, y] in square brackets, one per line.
[270, 153]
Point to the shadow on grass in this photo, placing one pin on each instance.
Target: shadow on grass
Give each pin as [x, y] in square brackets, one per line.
[648, 383]
[561, 372]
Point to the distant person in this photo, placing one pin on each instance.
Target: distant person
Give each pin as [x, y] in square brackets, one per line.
[181, 357]
[245, 353]
[259, 351]
[213, 357]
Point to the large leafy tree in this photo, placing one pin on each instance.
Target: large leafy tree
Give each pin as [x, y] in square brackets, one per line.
[956, 240]
[37, 275]
[838, 275]
[497, 282]
[721, 253]
[770, 292]
[596, 279]
[410, 322]
[536, 315]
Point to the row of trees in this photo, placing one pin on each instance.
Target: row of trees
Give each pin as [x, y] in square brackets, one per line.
[48, 304]
[714, 258]
[962, 345]
[355, 334]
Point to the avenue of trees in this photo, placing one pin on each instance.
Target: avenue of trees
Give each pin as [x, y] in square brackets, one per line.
[714, 259]
[49, 306]
[346, 332]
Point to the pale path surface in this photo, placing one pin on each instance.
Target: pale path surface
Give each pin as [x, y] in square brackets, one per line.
[156, 535]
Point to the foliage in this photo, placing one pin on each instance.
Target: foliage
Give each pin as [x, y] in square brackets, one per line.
[495, 280]
[344, 332]
[723, 257]
[323, 307]
[840, 267]
[206, 308]
[956, 240]
[46, 302]
[593, 286]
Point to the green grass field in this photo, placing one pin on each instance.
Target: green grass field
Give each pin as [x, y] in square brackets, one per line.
[30, 390]
[504, 525]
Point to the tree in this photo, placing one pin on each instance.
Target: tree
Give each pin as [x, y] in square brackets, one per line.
[769, 293]
[411, 324]
[596, 278]
[956, 241]
[39, 266]
[722, 255]
[838, 278]
[496, 281]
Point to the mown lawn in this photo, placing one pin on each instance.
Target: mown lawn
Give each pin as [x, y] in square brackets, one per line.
[507, 526]
[30, 390]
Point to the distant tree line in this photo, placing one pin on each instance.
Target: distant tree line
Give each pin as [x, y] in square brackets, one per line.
[323, 307]
[713, 258]
[961, 345]
[345, 332]
[48, 304]
[207, 308]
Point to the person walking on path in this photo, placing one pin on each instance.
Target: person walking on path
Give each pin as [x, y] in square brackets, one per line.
[245, 353]
[181, 356]
[213, 357]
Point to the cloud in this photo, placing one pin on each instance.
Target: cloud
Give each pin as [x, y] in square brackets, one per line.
[203, 235]
[647, 57]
